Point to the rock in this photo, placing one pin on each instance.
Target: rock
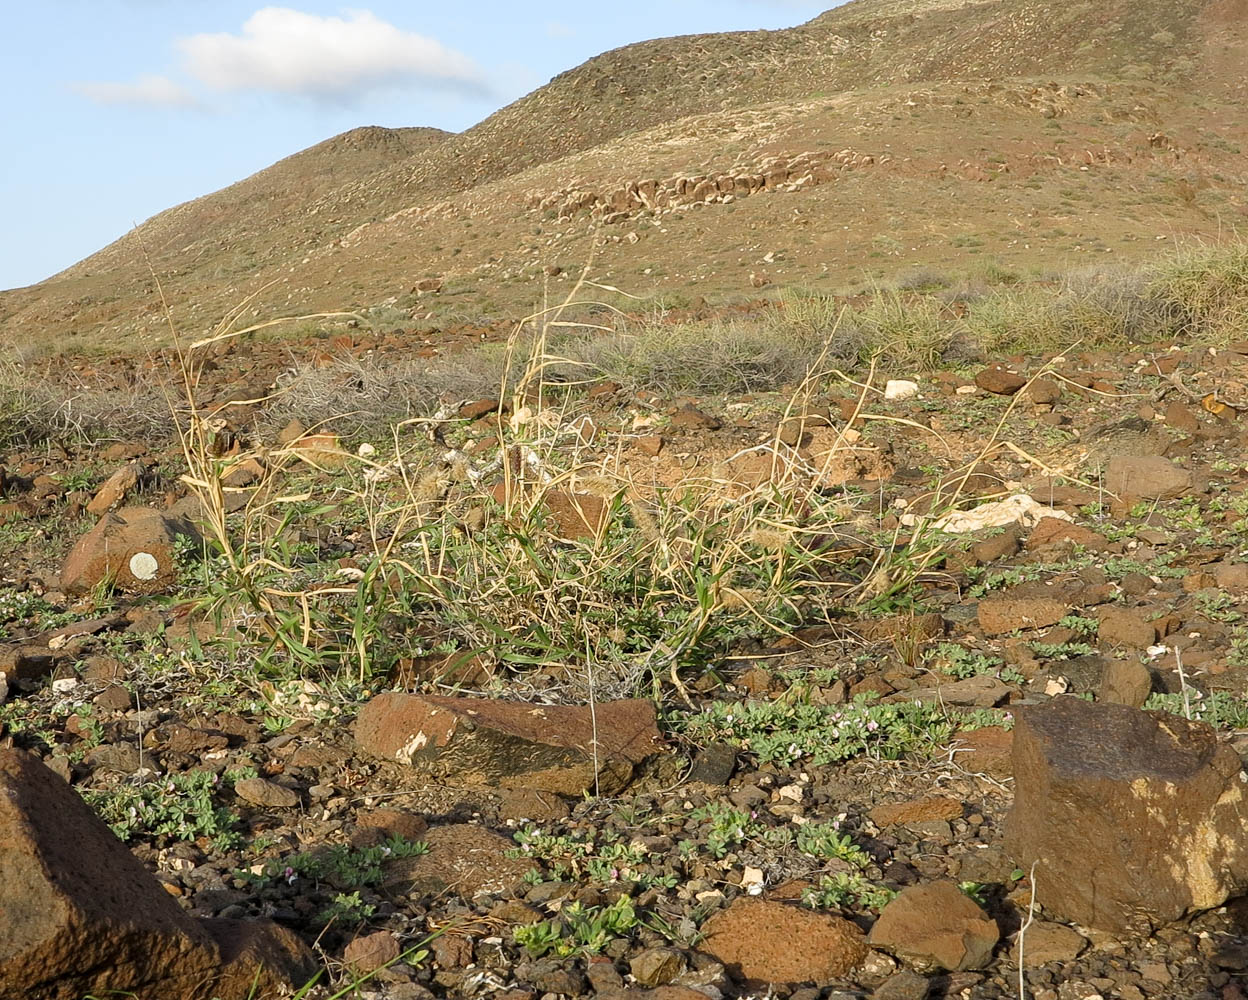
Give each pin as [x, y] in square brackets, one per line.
[291, 433]
[904, 985]
[115, 488]
[478, 409]
[576, 515]
[1000, 546]
[1119, 627]
[259, 792]
[1047, 942]
[370, 952]
[462, 858]
[691, 418]
[985, 751]
[1232, 577]
[133, 549]
[998, 615]
[1132, 818]
[322, 450]
[1044, 391]
[935, 925]
[1050, 532]
[531, 804]
[114, 698]
[649, 444]
[83, 916]
[983, 691]
[1017, 509]
[656, 966]
[1000, 381]
[763, 941]
[392, 823]
[897, 389]
[933, 807]
[1146, 477]
[1125, 682]
[479, 742]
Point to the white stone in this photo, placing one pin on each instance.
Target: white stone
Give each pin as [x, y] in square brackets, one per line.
[900, 388]
[143, 566]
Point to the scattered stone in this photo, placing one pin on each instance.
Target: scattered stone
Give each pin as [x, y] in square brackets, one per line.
[322, 450]
[1017, 509]
[370, 952]
[1000, 381]
[1125, 682]
[576, 515]
[463, 858]
[983, 691]
[690, 418]
[657, 966]
[266, 794]
[531, 804]
[1146, 477]
[649, 444]
[934, 926]
[1232, 577]
[372, 826]
[985, 751]
[998, 615]
[1120, 627]
[1050, 532]
[475, 741]
[1133, 818]
[933, 807]
[83, 916]
[477, 410]
[115, 488]
[898, 389]
[1047, 942]
[762, 941]
[131, 549]
[903, 985]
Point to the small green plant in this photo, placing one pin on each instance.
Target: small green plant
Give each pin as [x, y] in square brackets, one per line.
[1219, 606]
[974, 890]
[785, 731]
[578, 929]
[346, 908]
[1220, 709]
[340, 865]
[180, 806]
[960, 662]
[725, 826]
[1061, 650]
[599, 857]
[1080, 625]
[847, 889]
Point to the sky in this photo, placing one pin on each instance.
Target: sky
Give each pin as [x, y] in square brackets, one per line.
[115, 110]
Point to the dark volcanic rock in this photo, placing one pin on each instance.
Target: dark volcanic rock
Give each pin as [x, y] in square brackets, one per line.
[1133, 818]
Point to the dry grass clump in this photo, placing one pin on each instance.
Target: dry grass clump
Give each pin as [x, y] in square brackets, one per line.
[359, 394]
[35, 410]
[1204, 290]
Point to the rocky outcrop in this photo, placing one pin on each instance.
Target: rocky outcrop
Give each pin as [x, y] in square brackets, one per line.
[565, 749]
[80, 915]
[1132, 818]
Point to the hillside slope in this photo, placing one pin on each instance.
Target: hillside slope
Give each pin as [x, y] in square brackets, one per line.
[929, 116]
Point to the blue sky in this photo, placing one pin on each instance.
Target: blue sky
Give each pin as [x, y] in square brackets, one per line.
[117, 109]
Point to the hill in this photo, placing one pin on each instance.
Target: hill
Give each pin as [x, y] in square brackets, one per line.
[883, 136]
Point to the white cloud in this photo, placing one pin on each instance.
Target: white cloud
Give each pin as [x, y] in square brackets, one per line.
[290, 52]
[147, 91]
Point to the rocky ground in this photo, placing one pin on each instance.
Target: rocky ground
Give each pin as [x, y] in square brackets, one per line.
[883, 711]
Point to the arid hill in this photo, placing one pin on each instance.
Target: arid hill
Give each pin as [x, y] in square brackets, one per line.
[880, 137]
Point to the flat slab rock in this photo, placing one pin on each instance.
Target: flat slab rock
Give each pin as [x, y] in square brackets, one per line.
[80, 915]
[1132, 818]
[936, 926]
[564, 749]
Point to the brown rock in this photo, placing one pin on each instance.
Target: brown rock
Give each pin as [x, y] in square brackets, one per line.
[266, 794]
[477, 410]
[370, 952]
[1000, 546]
[462, 858]
[1047, 942]
[1146, 477]
[1000, 381]
[576, 515]
[133, 549]
[322, 450]
[475, 741]
[1052, 531]
[530, 804]
[1125, 682]
[656, 966]
[983, 691]
[762, 941]
[1231, 577]
[1132, 818]
[1120, 627]
[1181, 418]
[1044, 391]
[936, 926]
[81, 914]
[392, 823]
[649, 444]
[1006, 614]
[985, 751]
[932, 807]
[291, 433]
[691, 418]
[115, 488]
